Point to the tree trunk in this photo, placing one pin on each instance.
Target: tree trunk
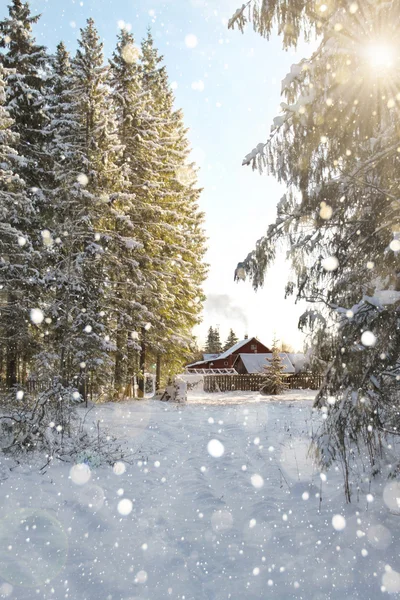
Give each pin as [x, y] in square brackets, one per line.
[24, 369]
[158, 372]
[63, 368]
[142, 363]
[11, 367]
[12, 354]
[119, 357]
[1, 364]
[82, 387]
[130, 372]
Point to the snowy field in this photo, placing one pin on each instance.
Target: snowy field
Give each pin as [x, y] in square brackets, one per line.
[221, 502]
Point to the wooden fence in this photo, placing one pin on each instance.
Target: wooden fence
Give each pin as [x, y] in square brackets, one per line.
[252, 383]
[215, 383]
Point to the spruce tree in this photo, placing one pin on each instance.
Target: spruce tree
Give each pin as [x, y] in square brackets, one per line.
[213, 342]
[335, 146]
[134, 125]
[231, 340]
[274, 370]
[27, 64]
[112, 233]
[172, 230]
[217, 342]
[91, 251]
[18, 256]
[209, 347]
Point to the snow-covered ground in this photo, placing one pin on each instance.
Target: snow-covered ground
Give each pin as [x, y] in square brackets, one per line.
[222, 501]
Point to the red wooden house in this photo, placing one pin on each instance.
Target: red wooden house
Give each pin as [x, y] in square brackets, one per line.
[227, 359]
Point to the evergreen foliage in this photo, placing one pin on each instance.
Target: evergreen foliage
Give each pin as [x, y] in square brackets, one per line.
[175, 238]
[100, 226]
[274, 369]
[231, 340]
[213, 342]
[336, 147]
[24, 204]
[17, 254]
[27, 64]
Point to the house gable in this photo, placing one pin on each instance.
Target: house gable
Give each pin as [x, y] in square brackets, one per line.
[246, 346]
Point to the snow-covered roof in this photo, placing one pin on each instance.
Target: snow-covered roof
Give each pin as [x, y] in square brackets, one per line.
[228, 371]
[299, 360]
[233, 349]
[256, 363]
[199, 362]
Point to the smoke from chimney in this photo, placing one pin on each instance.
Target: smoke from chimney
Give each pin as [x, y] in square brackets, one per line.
[221, 304]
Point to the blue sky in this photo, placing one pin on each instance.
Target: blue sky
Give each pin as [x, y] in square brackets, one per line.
[228, 86]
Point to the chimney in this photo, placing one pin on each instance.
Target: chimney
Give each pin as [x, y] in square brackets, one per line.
[246, 337]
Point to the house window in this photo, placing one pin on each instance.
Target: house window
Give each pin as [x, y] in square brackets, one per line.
[226, 363]
[254, 347]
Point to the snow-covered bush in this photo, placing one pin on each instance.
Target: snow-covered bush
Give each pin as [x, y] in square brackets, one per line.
[49, 424]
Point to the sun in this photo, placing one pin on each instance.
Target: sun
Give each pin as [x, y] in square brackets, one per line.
[380, 55]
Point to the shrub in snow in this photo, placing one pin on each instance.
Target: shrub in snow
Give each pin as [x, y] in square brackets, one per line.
[36, 423]
[50, 424]
[89, 457]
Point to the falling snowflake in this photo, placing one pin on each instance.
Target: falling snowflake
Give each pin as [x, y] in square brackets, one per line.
[338, 522]
[221, 520]
[198, 85]
[37, 316]
[130, 53]
[191, 40]
[215, 448]
[330, 264]
[80, 473]
[82, 179]
[185, 175]
[391, 580]
[368, 339]
[141, 577]
[257, 481]
[125, 507]
[46, 237]
[119, 468]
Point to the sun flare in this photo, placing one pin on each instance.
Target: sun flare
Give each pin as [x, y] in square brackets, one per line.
[380, 55]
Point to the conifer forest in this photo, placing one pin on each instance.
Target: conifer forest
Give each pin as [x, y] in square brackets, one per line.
[199, 299]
